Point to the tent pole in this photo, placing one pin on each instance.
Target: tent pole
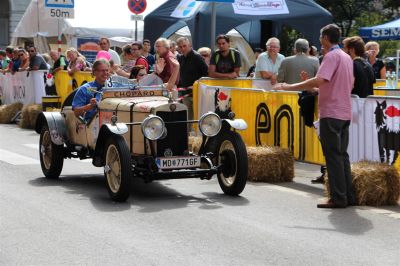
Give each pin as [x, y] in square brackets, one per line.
[213, 24]
[136, 29]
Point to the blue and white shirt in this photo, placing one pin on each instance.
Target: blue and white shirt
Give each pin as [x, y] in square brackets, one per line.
[83, 96]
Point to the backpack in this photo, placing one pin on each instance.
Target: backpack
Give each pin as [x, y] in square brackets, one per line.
[232, 52]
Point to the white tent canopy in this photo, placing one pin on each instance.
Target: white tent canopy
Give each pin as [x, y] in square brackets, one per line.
[237, 42]
[93, 18]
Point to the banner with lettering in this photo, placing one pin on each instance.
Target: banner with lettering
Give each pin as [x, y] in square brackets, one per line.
[26, 87]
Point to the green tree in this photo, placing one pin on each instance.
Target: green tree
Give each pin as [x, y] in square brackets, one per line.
[345, 12]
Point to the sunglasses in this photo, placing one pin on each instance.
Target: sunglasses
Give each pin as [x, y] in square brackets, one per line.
[21, 55]
[31, 51]
[103, 43]
[141, 75]
[204, 55]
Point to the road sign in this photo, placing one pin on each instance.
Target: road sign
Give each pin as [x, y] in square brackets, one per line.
[59, 3]
[136, 17]
[59, 8]
[137, 6]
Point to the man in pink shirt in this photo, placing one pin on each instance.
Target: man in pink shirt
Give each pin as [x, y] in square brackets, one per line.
[334, 82]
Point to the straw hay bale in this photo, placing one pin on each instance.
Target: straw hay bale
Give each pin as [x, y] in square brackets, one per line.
[375, 183]
[266, 163]
[8, 111]
[29, 115]
[195, 143]
[270, 164]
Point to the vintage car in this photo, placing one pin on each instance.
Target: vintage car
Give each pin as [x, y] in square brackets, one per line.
[142, 132]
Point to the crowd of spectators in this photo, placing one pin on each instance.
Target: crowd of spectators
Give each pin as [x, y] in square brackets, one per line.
[178, 65]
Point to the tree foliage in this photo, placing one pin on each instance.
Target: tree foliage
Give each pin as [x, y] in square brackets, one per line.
[345, 12]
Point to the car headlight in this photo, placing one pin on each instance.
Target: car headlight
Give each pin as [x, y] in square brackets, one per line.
[153, 127]
[210, 124]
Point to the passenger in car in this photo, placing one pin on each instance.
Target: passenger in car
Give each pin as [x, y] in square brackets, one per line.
[87, 96]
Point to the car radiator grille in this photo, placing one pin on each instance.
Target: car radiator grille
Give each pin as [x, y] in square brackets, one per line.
[177, 136]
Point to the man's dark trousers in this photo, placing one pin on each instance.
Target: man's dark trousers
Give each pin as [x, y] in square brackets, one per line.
[334, 135]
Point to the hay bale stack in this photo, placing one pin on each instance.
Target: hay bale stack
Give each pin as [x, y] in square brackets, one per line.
[29, 115]
[266, 163]
[8, 111]
[195, 143]
[270, 164]
[375, 183]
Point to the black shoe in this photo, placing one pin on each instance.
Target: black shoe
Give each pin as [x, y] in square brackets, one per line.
[319, 180]
[331, 205]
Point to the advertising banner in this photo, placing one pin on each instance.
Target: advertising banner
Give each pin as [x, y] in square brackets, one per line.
[274, 118]
[25, 87]
[260, 7]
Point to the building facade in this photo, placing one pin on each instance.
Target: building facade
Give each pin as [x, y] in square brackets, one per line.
[11, 12]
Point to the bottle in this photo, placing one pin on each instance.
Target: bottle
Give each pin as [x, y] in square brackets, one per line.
[391, 81]
[387, 79]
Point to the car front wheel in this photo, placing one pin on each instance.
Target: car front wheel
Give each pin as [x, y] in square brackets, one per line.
[117, 169]
[51, 155]
[232, 155]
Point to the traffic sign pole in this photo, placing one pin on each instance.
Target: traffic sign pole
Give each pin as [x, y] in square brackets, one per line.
[136, 7]
[213, 25]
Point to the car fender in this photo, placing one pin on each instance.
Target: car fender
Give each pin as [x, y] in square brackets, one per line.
[106, 131]
[238, 124]
[56, 123]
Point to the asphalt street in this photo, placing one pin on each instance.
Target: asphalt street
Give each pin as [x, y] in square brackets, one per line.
[71, 221]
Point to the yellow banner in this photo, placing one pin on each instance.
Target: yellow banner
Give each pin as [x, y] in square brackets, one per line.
[273, 118]
[65, 84]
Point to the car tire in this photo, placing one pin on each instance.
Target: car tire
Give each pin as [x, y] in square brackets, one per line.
[51, 155]
[117, 169]
[232, 154]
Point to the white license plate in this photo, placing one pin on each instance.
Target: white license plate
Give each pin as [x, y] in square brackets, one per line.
[178, 162]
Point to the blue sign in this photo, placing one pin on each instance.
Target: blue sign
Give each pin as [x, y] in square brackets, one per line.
[59, 3]
[218, 1]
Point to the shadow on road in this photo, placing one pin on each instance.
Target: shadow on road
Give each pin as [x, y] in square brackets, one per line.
[346, 221]
[150, 197]
[349, 222]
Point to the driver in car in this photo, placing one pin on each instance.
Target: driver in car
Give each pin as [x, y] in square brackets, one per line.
[85, 100]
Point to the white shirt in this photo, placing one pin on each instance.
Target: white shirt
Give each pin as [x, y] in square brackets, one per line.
[264, 63]
[114, 57]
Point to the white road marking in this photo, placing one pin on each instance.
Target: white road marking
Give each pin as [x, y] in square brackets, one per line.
[36, 147]
[388, 213]
[32, 146]
[15, 158]
[291, 191]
